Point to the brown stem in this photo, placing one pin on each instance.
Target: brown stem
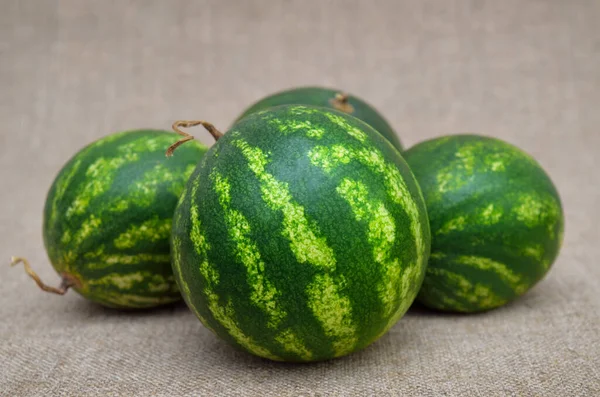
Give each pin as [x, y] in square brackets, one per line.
[64, 285]
[340, 102]
[187, 137]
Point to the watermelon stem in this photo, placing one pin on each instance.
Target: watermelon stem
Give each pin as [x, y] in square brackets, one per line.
[61, 290]
[188, 137]
[340, 102]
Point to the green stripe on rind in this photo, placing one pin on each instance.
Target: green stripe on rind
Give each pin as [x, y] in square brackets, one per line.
[382, 233]
[224, 315]
[152, 230]
[288, 126]
[107, 214]
[291, 343]
[502, 271]
[183, 285]
[120, 300]
[128, 281]
[494, 212]
[304, 242]
[62, 182]
[397, 287]
[456, 292]
[99, 260]
[334, 312]
[328, 158]
[309, 248]
[264, 294]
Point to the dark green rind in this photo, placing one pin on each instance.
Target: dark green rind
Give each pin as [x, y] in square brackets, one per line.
[521, 231]
[140, 267]
[321, 96]
[330, 215]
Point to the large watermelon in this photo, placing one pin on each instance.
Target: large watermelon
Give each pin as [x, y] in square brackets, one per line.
[108, 215]
[301, 236]
[333, 99]
[496, 221]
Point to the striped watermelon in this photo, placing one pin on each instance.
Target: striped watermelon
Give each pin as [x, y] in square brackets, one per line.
[333, 99]
[496, 221]
[301, 236]
[108, 215]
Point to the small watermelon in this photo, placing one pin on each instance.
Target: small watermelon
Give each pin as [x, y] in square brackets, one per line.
[333, 99]
[108, 215]
[496, 221]
[301, 235]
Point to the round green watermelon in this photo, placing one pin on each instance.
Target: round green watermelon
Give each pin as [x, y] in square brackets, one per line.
[108, 216]
[302, 235]
[333, 99]
[496, 221]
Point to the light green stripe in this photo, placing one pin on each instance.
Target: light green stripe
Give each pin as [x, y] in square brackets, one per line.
[98, 259]
[197, 238]
[135, 259]
[490, 215]
[341, 122]
[453, 225]
[329, 158]
[185, 288]
[142, 191]
[119, 280]
[442, 300]
[62, 185]
[146, 144]
[534, 210]
[292, 343]
[306, 247]
[300, 110]
[130, 300]
[396, 286]
[150, 231]
[477, 294]
[535, 251]
[264, 294]
[381, 236]
[151, 281]
[290, 125]
[100, 175]
[529, 210]
[304, 243]
[500, 269]
[86, 229]
[223, 314]
[333, 311]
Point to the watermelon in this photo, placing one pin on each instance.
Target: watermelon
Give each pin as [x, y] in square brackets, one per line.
[108, 215]
[496, 221]
[301, 236]
[333, 99]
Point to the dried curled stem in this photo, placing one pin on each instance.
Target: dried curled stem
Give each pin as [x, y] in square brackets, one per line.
[187, 137]
[64, 286]
[340, 102]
